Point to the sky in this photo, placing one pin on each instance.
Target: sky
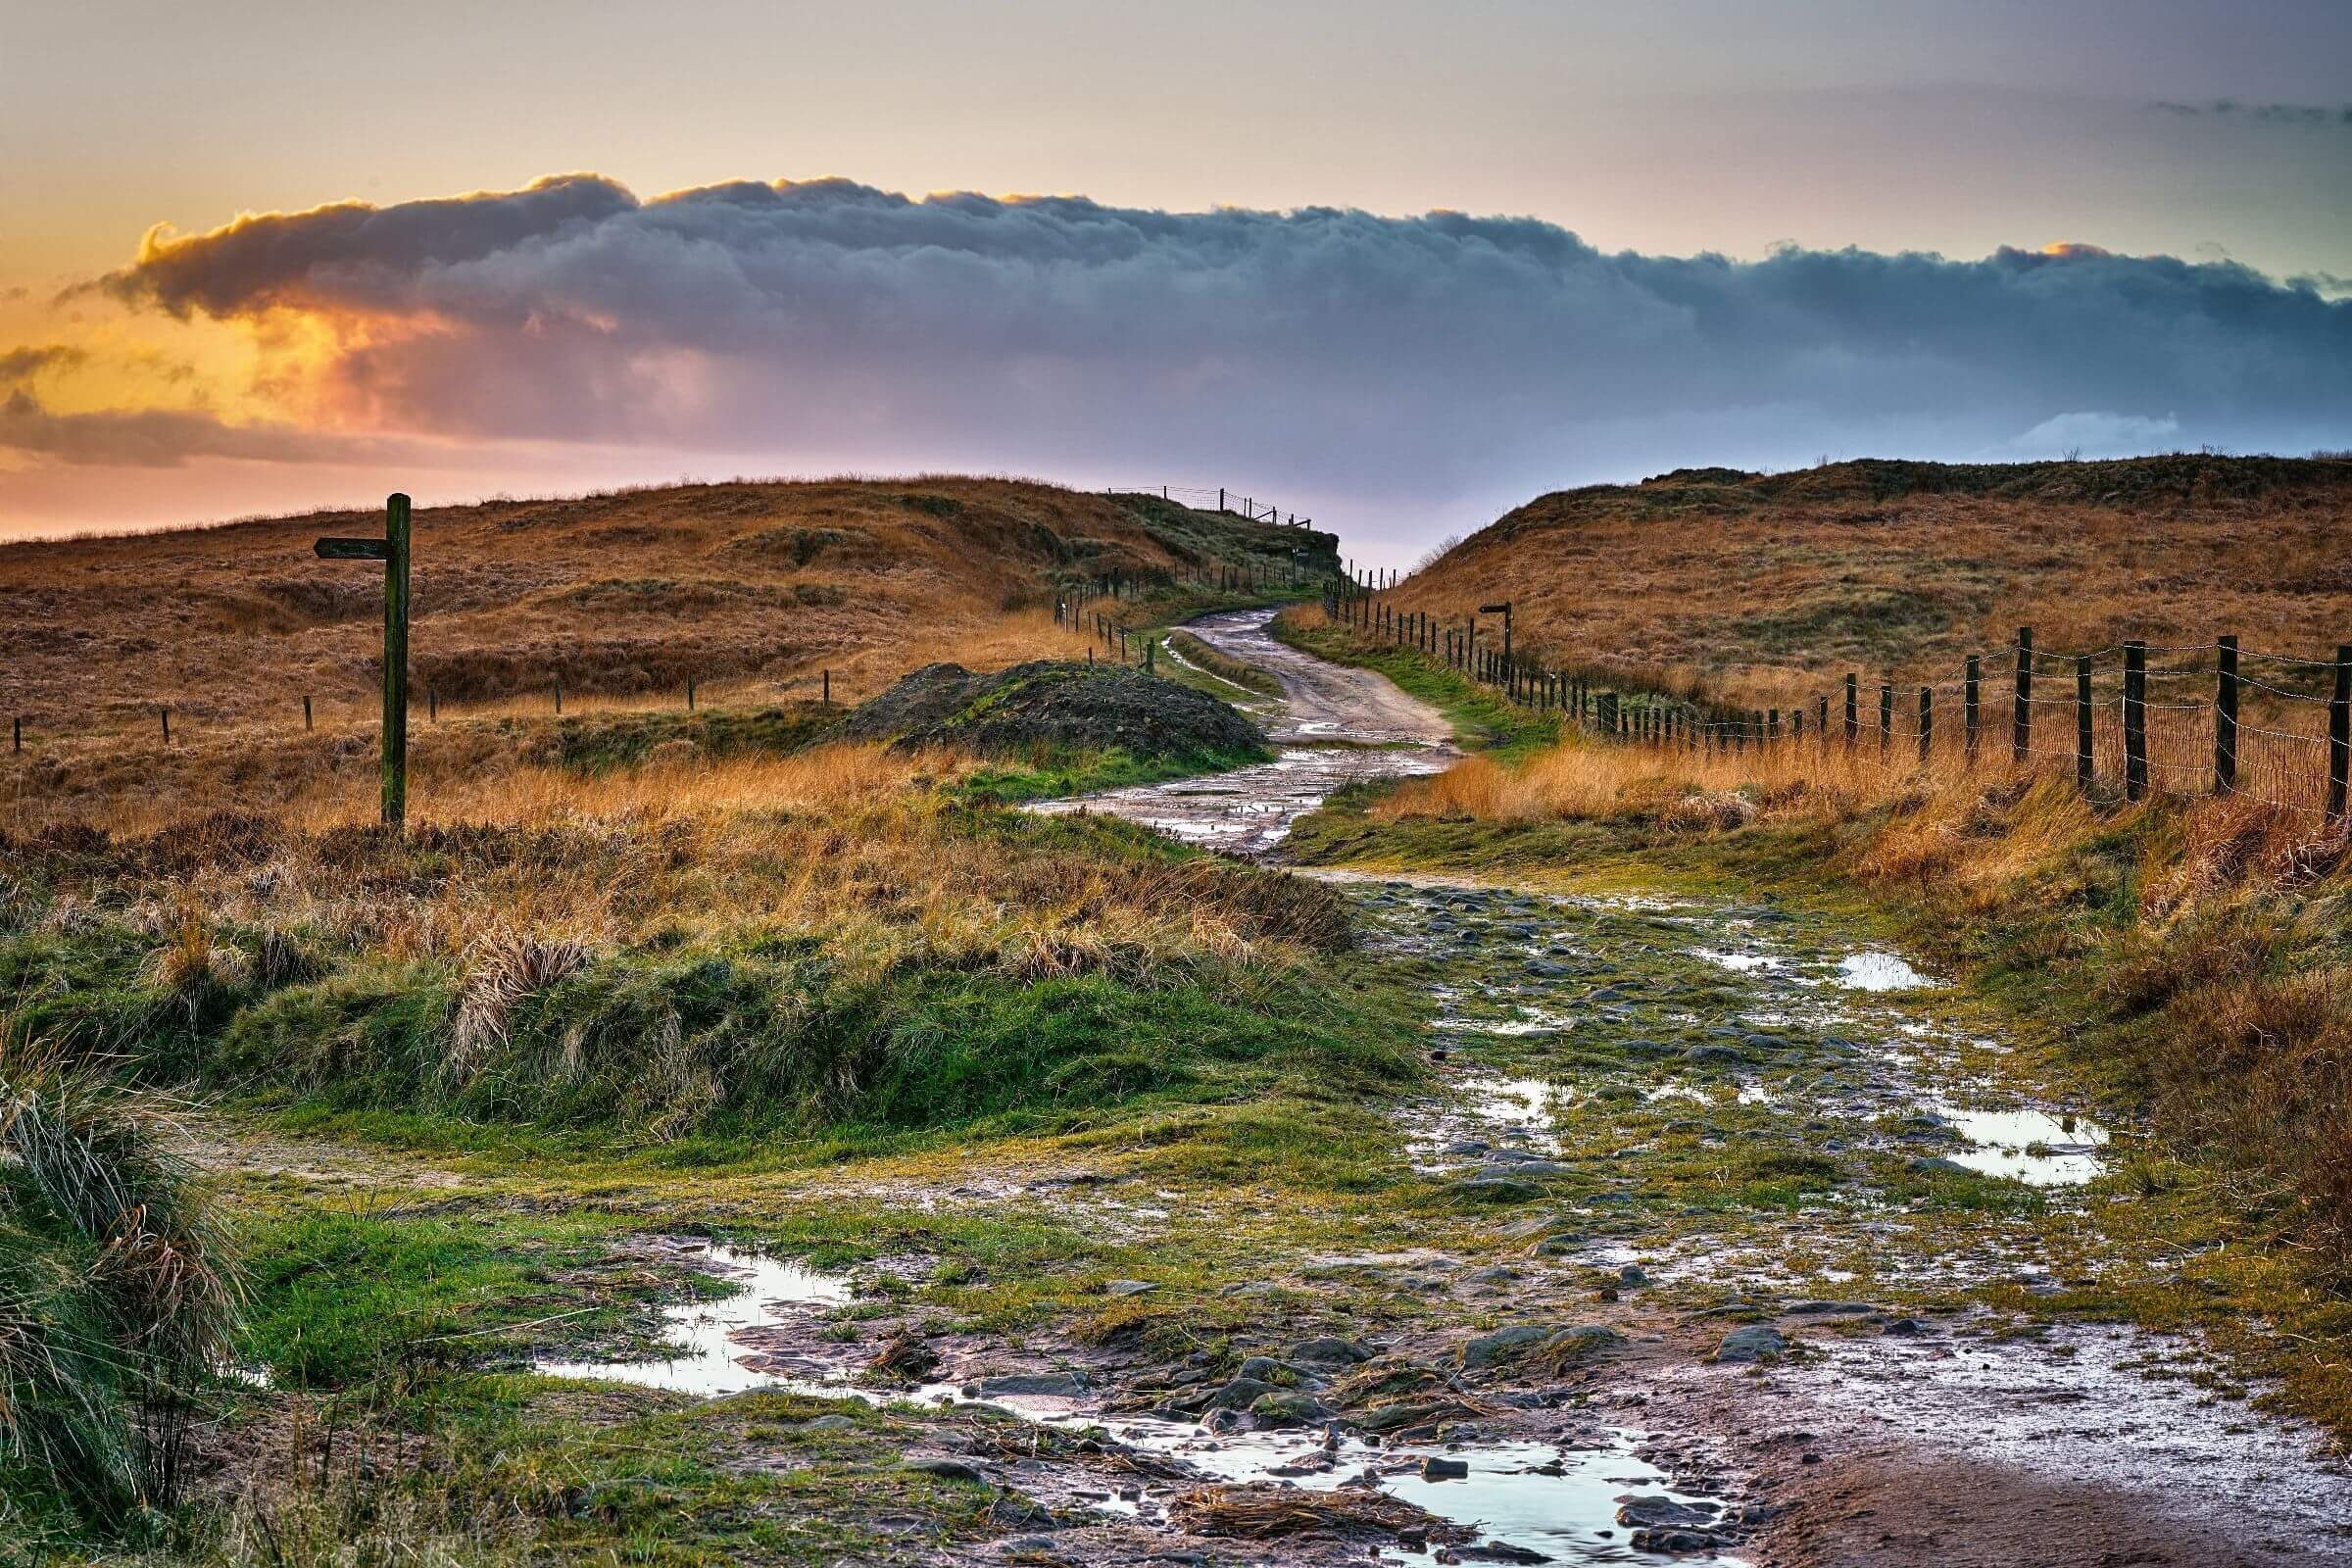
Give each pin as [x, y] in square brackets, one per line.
[1398, 266]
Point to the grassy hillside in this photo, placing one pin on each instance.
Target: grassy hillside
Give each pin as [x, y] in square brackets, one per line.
[733, 585]
[1901, 568]
[754, 592]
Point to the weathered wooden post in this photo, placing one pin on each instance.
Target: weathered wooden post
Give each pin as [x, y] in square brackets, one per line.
[15, 735]
[1927, 723]
[432, 703]
[2135, 719]
[825, 690]
[1972, 707]
[2339, 735]
[1885, 721]
[2021, 732]
[690, 694]
[2082, 760]
[1820, 727]
[306, 711]
[559, 696]
[393, 551]
[1854, 709]
[2225, 716]
[167, 712]
[1505, 611]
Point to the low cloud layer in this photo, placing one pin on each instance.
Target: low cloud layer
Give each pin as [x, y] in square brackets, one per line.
[2262, 114]
[1333, 351]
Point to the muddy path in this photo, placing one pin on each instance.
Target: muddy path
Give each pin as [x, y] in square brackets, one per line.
[1334, 728]
[1756, 1245]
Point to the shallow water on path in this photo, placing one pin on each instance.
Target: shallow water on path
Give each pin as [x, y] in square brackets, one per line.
[709, 1360]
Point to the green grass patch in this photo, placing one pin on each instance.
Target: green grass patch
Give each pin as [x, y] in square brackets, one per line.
[1483, 719]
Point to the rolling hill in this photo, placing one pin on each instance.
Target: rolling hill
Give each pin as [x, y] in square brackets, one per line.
[742, 585]
[1901, 568]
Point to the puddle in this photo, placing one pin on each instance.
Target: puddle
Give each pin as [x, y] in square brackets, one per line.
[1514, 1101]
[707, 1360]
[1737, 962]
[1557, 1500]
[2033, 1147]
[1880, 971]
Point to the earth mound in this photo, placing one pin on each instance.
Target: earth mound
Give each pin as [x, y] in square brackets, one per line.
[1055, 704]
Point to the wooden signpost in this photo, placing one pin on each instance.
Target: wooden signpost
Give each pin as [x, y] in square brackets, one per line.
[393, 551]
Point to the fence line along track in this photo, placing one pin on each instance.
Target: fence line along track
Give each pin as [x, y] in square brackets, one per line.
[2092, 713]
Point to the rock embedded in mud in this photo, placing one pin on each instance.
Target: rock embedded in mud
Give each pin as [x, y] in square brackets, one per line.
[1558, 1343]
[1436, 1467]
[944, 1468]
[1328, 1351]
[1040, 1385]
[1239, 1394]
[1495, 1189]
[1288, 1408]
[1751, 1342]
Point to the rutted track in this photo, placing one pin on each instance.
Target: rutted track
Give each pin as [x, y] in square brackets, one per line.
[1790, 1235]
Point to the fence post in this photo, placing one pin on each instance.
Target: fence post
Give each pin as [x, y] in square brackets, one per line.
[1886, 720]
[2135, 719]
[2082, 758]
[167, 712]
[1927, 723]
[2339, 735]
[15, 735]
[2021, 734]
[1822, 725]
[825, 689]
[306, 710]
[2225, 716]
[432, 703]
[1772, 725]
[1972, 714]
[1854, 709]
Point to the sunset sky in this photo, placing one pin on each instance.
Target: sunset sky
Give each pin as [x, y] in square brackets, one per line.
[1397, 264]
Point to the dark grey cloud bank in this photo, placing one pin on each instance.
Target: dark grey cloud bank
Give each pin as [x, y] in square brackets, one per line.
[1346, 353]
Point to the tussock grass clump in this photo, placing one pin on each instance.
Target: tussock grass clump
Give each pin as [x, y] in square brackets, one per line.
[117, 1295]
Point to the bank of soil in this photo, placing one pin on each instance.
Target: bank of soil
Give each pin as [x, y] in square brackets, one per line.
[1054, 705]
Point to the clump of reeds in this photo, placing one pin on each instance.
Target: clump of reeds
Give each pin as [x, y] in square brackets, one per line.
[117, 1292]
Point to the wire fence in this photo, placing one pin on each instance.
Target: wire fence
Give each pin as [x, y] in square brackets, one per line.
[1216, 498]
[2130, 719]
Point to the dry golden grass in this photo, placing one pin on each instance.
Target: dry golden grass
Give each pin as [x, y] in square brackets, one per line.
[851, 846]
[750, 589]
[135, 782]
[1770, 588]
